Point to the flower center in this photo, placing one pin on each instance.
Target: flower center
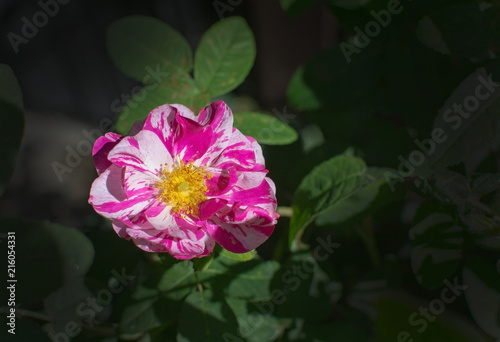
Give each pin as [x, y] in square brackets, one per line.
[183, 188]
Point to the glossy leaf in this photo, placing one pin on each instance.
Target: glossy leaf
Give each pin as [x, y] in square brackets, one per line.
[224, 56]
[266, 129]
[327, 185]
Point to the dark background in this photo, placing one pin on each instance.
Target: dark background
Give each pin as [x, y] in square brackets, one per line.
[69, 81]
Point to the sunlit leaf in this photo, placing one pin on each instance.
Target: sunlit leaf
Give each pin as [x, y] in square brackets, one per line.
[264, 128]
[224, 56]
[327, 185]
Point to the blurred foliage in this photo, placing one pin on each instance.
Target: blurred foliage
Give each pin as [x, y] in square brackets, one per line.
[393, 188]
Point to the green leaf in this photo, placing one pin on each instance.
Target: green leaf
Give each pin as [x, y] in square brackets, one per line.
[177, 281]
[324, 187]
[295, 7]
[139, 44]
[466, 138]
[342, 331]
[239, 256]
[224, 56]
[331, 80]
[349, 4]
[246, 280]
[375, 193]
[177, 87]
[201, 264]
[466, 30]
[482, 278]
[12, 119]
[299, 291]
[146, 314]
[266, 129]
[42, 249]
[67, 304]
[204, 318]
[254, 326]
[400, 318]
[158, 299]
[437, 249]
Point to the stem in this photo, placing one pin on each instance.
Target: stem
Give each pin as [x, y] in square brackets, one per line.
[365, 231]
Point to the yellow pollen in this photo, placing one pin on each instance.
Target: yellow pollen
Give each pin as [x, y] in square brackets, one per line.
[183, 188]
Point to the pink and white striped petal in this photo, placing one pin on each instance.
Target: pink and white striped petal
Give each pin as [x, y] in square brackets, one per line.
[240, 153]
[109, 199]
[101, 149]
[144, 151]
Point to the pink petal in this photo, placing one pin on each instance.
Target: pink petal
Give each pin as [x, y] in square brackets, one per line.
[162, 122]
[240, 237]
[242, 152]
[204, 136]
[102, 146]
[136, 182]
[109, 199]
[144, 151]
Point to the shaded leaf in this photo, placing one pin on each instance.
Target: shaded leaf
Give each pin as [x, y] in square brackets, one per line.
[46, 249]
[295, 7]
[482, 278]
[176, 87]
[246, 280]
[139, 44]
[437, 249]
[466, 30]
[399, 318]
[254, 326]
[205, 318]
[12, 118]
[329, 80]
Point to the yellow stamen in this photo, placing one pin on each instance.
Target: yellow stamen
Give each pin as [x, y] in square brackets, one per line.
[183, 188]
